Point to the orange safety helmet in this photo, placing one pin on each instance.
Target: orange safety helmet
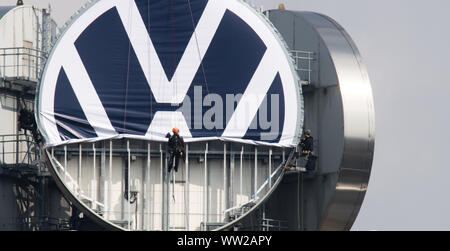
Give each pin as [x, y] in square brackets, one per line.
[175, 130]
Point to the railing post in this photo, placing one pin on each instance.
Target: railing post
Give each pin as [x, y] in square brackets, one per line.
[205, 189]
[128, 185]
[65, 163]
[240, 175]
[232, 177]
[110, 178]
[94, 177]
[102, 179]
[186, 190]
[225, 180]
[256, 171]
[270, 168]
[79, 168]
[162, 185]
[148, 187]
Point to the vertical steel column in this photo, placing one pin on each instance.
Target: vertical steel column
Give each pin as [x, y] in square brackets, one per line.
[264, 227]
[79, 168]
[256, 172]
[148, 187]
[225, 181]
[129, 179]
[102, 179]
[270, 168]
[186, 191]
[205, 189]
[162, 186]
[65, 163]
[110, 191]
[94, 176]
[166, 193]
[174, 178]
[240, 176]
[231, 192]
[231, 183]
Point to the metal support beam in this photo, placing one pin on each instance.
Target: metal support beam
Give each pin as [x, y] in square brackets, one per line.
[240, 176]
[256, 172]
[269, 173]
[103, 178]
[205, 189]
[165, 191]
[166, 194]
[162, 185]
[225, 182]
[94, 177]
[129, 179]
[80, 148]
[232, 177]
[17, 127]
[110, 178]
[65, 163]
[186, 191]
[148, 187]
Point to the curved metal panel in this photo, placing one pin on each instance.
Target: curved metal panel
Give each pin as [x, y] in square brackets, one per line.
[359, 123]
[339, 109]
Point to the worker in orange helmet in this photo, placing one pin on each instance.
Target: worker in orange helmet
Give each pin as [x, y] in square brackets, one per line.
[176, 149]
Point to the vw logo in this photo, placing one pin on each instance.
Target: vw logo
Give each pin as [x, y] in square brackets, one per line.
[137, 68]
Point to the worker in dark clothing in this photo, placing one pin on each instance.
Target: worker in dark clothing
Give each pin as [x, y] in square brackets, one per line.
[176, 149]
[306, 152]
[307, 145]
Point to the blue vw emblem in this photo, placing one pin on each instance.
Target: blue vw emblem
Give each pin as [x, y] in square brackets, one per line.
[136, 68]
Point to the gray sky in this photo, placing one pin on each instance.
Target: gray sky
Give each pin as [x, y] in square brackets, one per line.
[405, 45]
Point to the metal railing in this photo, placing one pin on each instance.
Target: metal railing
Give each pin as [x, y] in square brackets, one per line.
[256, 198]
[43, 224]
[303, 62]
[18, 149]
[21, 62]
[273, 225]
